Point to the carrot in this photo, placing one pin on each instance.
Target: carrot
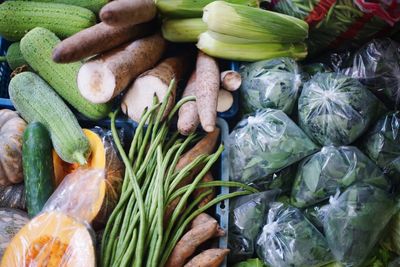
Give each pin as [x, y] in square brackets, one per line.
[97, 39]
[207, 87]
[103, 78]
[225, 100]
[153, 82]
[204, 147]
[209, 258]
[188, 118]
[128, 12]
[231, 80]
[190, 241]
[207, 178]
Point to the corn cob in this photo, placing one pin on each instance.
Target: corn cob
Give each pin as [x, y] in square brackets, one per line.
[183, 30]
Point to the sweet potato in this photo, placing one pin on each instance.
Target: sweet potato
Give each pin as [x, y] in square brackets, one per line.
[188, 117]
[106, 76]
[209, 258]
[231, 80]
[225, 100]
[207, 87]
[191, 240]
[128, 12]
[200, 219]
[207, 178]
[97, 39]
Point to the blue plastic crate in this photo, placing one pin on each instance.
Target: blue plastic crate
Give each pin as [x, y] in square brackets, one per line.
[5, 72]
[231, 114]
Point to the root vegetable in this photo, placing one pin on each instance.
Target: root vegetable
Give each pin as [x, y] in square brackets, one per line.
[153, 82]
[204, 147]
[128, 12]
[207, 87]
[207, 178]
[225, 100]
[200, 219]
[190, 241]
[209, 258]
[105, 77]
[97, 39]
[188, 117]
[231, 80]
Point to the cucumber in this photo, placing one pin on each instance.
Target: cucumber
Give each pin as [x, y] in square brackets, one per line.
[14, 56]
[37, 47]
[35, 100]
[17, 18]
[38, 167]
[93, 5]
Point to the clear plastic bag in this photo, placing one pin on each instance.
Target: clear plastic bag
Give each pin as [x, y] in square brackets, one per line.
[355, 220]
[282, 180]
[322, 174]
[289, 239]
[382, 144]
[316, 215]
[270, 84]
[11, 221]
[264, 143]
[13, 196]
[376, 65]
[246, 218]
[335, 109]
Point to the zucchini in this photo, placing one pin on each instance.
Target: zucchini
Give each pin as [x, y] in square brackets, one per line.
[17, 18]
[37, 47]
[93, 5]
[35, 100]
[14, 56]
[37, 163]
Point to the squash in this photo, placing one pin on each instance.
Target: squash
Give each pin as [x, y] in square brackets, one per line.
[53, 238]
[104, 156]
[11, 130]
[13, 196]
[11, 221]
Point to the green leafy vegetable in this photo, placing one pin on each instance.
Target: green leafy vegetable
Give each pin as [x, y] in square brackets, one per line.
[392, 237]
[265, 143]
[250, 263]
[289, 239]
[322, 174]
[335, 109]
[271, 83]
[282, 180]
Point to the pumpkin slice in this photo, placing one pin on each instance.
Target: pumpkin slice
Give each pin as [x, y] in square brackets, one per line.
[51, 239]
[103, 156]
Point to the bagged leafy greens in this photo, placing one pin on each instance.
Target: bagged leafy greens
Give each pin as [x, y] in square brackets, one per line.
[289, 239]
[376, 65]
[355, 220]
[282, 180]
[335, 109]
[392, 234]
[322, 174]
[250, 263]
[316, 214]
[264, 143]
[246, 218]
[382, 144]
[270, 84]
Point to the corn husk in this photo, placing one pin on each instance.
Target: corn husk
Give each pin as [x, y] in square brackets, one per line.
[183, 30]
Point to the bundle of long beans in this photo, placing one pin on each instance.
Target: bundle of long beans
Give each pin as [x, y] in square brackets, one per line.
[340, 18]
[135, 234]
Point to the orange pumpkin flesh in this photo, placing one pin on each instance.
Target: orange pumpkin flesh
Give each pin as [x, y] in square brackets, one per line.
[103, 156]
[51, 239]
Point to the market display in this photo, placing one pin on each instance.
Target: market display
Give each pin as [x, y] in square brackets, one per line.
[181, 133]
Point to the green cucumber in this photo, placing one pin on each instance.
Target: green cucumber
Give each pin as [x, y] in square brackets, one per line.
[94, 5]
[38, 167]
[37, 47]
[17, 18]
[35, 100]
[14, 56]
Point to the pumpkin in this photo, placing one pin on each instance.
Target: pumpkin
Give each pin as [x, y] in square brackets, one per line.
[11, 221]
[13, 196]
[51, 239]
[11, 130]
[104, 156]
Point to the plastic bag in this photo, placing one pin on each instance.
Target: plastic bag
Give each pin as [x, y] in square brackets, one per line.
[354, 221]
[316, 215]
[282, 180]
[382, 144]
[335, 109]
[11, 221]
[246, 217]
[270, 84]
[289, 239]
[376, 65]
[322, 174]
[13, 196]
[264, 143]
[61, 235]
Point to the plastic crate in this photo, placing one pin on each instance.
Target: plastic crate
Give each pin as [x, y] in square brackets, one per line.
[5, 72]
[231, 114]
